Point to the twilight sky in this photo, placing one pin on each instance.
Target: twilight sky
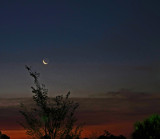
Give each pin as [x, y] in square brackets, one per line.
[94, 47]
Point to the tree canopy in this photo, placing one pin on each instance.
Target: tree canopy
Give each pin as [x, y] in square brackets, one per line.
[49, 118]
[148, 129]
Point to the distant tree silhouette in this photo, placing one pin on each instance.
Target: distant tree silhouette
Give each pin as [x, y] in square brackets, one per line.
[49, 118]
[108, 135]
[148, 129]
[3, 136]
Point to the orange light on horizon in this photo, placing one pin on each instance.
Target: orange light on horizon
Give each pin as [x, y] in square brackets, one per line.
[88, 130]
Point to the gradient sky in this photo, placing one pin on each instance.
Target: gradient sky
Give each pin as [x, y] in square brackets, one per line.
[93, 46]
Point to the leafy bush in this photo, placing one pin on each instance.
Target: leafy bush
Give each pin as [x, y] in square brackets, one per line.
[148, 129]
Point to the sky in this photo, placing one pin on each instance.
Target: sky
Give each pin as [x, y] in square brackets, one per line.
[116, 114]
[93, 47]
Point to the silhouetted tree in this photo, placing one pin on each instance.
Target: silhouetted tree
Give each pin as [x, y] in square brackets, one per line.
[108, 135]
[50, 118]
[148, 129]
[3, 136]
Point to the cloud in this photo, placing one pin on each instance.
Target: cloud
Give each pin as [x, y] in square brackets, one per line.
[144, 68]
[127, 94]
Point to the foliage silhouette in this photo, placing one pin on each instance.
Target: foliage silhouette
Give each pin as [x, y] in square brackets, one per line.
[108, 135]
[148, 129]
[49, 118]
[3, 136]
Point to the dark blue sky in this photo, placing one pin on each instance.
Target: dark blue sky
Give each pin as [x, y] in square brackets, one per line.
[93, 46]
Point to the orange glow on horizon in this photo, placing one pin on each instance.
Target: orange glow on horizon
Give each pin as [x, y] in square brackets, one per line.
[88, 130]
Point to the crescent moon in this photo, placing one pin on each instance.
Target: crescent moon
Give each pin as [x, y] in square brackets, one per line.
[45, 63]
